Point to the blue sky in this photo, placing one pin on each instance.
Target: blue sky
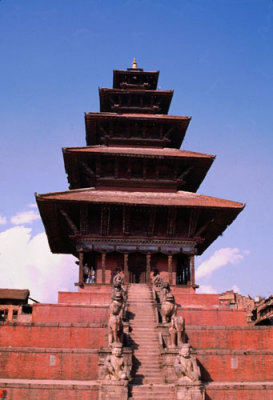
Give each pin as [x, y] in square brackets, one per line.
[217, 55]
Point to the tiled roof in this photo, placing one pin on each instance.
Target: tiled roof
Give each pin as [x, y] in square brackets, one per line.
[179, 199]
[14, 294]
[136, 116]
[142, 151]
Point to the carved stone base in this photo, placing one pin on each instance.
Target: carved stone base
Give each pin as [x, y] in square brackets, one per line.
[113, 390]
[190, 391]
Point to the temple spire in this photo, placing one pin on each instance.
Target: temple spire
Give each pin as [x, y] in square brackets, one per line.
[134, 64]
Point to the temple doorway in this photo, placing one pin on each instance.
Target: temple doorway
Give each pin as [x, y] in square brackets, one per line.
[137, 268]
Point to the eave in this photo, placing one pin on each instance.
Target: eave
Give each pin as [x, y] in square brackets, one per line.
[115, 129]
[150, 76]
[137, 101]
[221, 212]
[82, 165]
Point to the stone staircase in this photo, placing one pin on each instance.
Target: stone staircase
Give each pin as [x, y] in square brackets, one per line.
[147, 378]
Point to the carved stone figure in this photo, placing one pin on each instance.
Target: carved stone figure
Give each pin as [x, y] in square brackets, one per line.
[117, 305]
[115, 366]
[168, 308]
[177, 331]
[186, 367]
[165, 289]
[115, 329]
[118, 279]
[157, 281]
[119, 289]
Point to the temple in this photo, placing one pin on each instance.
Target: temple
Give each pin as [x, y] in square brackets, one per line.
[135, 327]
[132, 202]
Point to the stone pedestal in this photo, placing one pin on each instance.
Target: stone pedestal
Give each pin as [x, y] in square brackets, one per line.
[110, 390]
[168, 358]
[190, 391]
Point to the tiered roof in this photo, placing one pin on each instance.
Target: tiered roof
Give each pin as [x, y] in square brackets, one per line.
[132, 165]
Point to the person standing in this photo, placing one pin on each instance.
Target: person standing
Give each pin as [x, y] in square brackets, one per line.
[92, 275]
[85, 272]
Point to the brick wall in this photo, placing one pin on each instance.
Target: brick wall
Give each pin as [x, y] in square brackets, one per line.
[230, 337]
[236, 365]
[183, 298]
[46, 363]
[90, 336]
[69, 313]
[212, 316]
[43, 390]
[239, 391]
[85, 297]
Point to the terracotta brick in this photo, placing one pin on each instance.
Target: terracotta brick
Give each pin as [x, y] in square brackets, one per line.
[91, 336]
[69, 313]
[46, 363]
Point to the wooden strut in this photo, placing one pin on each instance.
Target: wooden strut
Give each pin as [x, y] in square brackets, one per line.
[204, 227]
[103, 260]
[87, 169]
[126, 272]
[70, 223]
[84, 219]
[192, 271]
[148, 268]
[170, 268]
[81, 266]
[194, 217]
[184, 174]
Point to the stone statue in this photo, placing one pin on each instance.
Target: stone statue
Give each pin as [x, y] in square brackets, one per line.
[117, 305]
[165, 289]
[118, 279]
[157, 281]
[119, 289]
[115, 330]
[186, 367]
[115, 366]
[177, 331]
[168, 308]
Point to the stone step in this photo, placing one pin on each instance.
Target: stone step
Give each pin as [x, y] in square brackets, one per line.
[143, 380]
[139, 321]
[144, 323]
[152, 367]
[150, 395]
[144, 339]
[153, 396]
[153, 344]
[146, 374]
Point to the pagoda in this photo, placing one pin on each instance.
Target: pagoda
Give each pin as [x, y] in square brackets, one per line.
[132, 202]
[132, 206]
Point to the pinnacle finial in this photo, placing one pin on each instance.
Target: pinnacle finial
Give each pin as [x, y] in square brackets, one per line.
[134, 64]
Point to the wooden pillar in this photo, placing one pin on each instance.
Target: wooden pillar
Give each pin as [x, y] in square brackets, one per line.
[80, 266]
[126, 272]
[148, 268]
[170, 268]
[192, 270]
[103, 258]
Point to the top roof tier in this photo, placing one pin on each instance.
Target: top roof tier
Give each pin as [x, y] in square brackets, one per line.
[135, 78]
[135, 113]
[135, 91]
